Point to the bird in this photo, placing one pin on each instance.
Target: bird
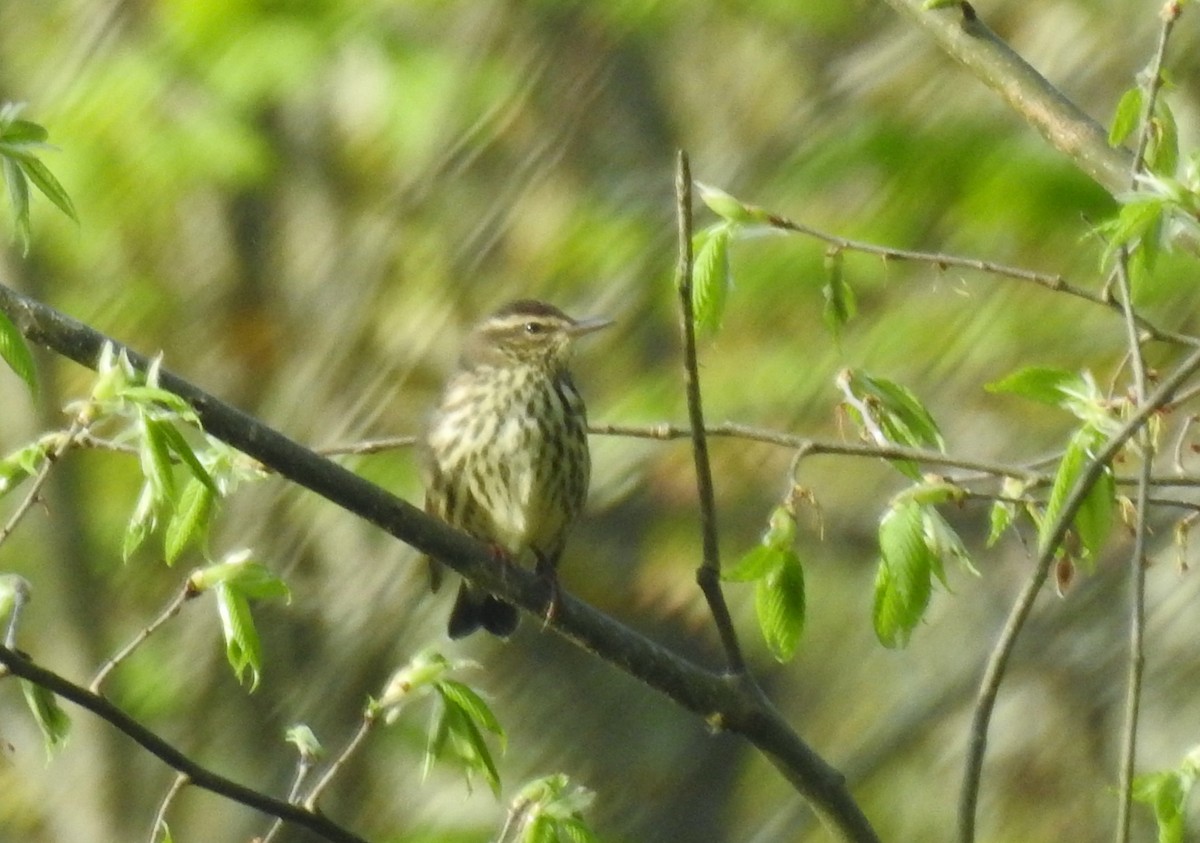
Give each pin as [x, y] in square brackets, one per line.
[506, 454]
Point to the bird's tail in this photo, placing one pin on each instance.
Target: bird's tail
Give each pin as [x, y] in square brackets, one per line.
[475, 609]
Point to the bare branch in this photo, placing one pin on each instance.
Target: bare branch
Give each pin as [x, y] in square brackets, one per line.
[965, 38]
[169, 611]
[709, 573]
[200, 776]
[160, 816]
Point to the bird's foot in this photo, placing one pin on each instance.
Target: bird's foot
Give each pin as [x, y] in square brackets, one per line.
[549, 574]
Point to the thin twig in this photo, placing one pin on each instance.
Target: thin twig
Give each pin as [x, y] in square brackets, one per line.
[1137, 611]
[709, 574]
[169, 611]
[200, 776]
[304, 766]
[335, 766]
[1137, 583]
[1055, 283]
[64, 442]
[998, 659]
[160, 816]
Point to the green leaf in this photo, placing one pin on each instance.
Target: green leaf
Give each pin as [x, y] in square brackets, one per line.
[22, 463]
[779, 603]
[51, 719]
[155, 455]
[576, 831]
[1163, 155]
[472, 705]
[1003, 512]
[190, 521]
[1041, 384]
[945, 544]
[728, 207]
[929, 5]
[23, 132]
[141, 522]
[15, 352]
[1070, 468]
[243, 649]
[242, 574]
[1125, 120]
[755, 564]
[18, 196]
[711, 279]
[45, 181]
[932, 490]
[154, 397]
[306, 743]
[468, 745]
[540, 830]
[1094, 520]
[1167, 794]
[1139, 220]
[899, 412]
[180, 447]
[903, 582]
[841, 304]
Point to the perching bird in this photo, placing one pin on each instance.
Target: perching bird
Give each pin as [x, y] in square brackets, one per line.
[506, 453]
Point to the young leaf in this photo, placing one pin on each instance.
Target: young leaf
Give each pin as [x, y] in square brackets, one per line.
[1125, 120]
[1094, 520]
[728, 207]
[840, 303]
[903, 582]
[18, 196]
[243, 649]
[900, 413]
[1074, 459]
[779, 604]
[155, 456]
[1163, 155]
[473, 706]
[710, 282]
[190, 521]
[45, 181]
[51, 719]
[1167, 794]
[22, 463]
[1042, 384]
[141, 522]
[15, 352]
[756, 564]
[469, 746]
[306, 743]
[180, 448]
[576, 831]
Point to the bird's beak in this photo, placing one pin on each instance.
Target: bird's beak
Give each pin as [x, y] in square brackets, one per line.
[586, 326]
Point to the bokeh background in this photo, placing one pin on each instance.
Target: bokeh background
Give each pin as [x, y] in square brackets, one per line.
[306, 204]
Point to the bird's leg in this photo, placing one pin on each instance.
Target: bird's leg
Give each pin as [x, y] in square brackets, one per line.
[502, 558]
[549, 573]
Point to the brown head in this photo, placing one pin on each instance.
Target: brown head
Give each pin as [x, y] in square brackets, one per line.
[527, 332]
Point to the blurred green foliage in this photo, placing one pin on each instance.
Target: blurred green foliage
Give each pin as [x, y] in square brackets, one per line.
[304, 204]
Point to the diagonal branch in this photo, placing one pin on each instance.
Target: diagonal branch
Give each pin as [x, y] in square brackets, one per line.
[708, 576]
[723, 701]
[194, 773]
[966, 39]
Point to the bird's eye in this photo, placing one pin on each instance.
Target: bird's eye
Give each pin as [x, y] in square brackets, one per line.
[534, 328]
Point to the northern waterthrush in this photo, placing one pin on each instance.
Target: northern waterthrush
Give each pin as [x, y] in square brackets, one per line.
[506, 453]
